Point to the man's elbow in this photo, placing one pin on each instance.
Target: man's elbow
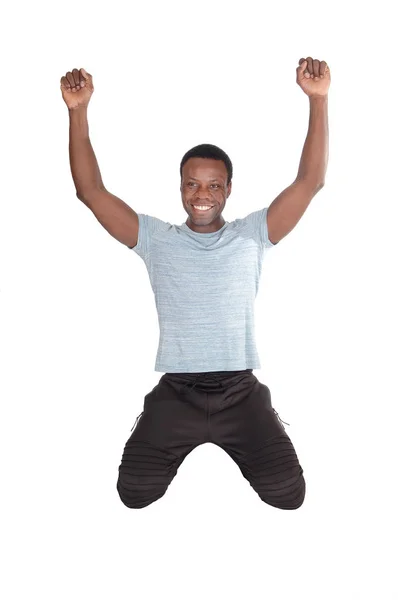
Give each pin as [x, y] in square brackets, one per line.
[312, 184]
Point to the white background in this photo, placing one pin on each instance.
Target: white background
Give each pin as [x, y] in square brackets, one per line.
[79, 328]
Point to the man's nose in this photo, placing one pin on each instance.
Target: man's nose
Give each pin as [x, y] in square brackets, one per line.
[202, 192]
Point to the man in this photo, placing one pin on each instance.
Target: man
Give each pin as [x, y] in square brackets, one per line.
[205, 276]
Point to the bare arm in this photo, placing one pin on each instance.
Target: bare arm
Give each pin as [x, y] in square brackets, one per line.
[287, 209]
[119, 219]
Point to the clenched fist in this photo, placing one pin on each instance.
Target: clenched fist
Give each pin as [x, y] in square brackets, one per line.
[313, 76]
[77, 88]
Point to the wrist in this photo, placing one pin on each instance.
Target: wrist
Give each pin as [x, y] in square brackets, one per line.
[78, 110]
[318, 98]
[78, 117]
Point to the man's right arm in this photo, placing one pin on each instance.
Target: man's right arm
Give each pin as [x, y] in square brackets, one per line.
[119, 219]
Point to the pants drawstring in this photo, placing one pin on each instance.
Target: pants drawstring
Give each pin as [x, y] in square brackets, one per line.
[191, 384]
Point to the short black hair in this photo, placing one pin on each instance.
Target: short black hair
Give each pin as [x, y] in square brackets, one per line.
[208, 151]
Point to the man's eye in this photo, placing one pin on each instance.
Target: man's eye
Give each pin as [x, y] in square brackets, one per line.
[190, 184]
[215, 185]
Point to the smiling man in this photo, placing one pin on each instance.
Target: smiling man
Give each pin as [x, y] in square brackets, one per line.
[206, 174]
[205, 275]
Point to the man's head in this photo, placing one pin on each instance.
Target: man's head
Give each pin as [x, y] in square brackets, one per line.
[206, 180]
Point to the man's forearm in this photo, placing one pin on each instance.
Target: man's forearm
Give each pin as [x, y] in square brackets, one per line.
[314, 158]
[84, 166]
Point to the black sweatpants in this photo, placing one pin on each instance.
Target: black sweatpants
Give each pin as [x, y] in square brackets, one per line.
[231, 409]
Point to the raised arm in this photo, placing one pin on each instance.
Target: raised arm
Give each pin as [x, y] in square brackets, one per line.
[287, 209]
[119, 219]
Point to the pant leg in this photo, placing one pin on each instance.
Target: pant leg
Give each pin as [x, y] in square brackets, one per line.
[249, 430]
[167, 431]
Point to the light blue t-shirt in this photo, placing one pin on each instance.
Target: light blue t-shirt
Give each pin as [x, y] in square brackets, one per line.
[205, 285]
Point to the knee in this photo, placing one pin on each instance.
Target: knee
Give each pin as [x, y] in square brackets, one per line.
[286, 494]
[138, 494]
[145, 473]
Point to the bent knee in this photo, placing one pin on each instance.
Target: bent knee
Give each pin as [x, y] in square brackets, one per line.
[138, 494]
[144, 474]
[287, 494]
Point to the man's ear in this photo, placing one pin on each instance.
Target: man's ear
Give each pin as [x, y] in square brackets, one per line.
[229, 188]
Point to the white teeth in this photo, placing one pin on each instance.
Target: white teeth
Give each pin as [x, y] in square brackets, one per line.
[202, 207]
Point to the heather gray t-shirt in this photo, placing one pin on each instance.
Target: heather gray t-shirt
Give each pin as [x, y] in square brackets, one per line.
[205, 285]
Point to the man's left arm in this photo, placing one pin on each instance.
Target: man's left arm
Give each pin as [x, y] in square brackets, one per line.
[313, 76]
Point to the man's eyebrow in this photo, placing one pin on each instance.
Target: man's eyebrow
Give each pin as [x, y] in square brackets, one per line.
[215, 179]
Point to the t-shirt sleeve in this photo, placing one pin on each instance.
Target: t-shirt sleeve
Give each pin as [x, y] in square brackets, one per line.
[147, 227]
[258, 223]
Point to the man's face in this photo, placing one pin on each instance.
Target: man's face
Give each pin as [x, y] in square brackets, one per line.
[204, 184]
